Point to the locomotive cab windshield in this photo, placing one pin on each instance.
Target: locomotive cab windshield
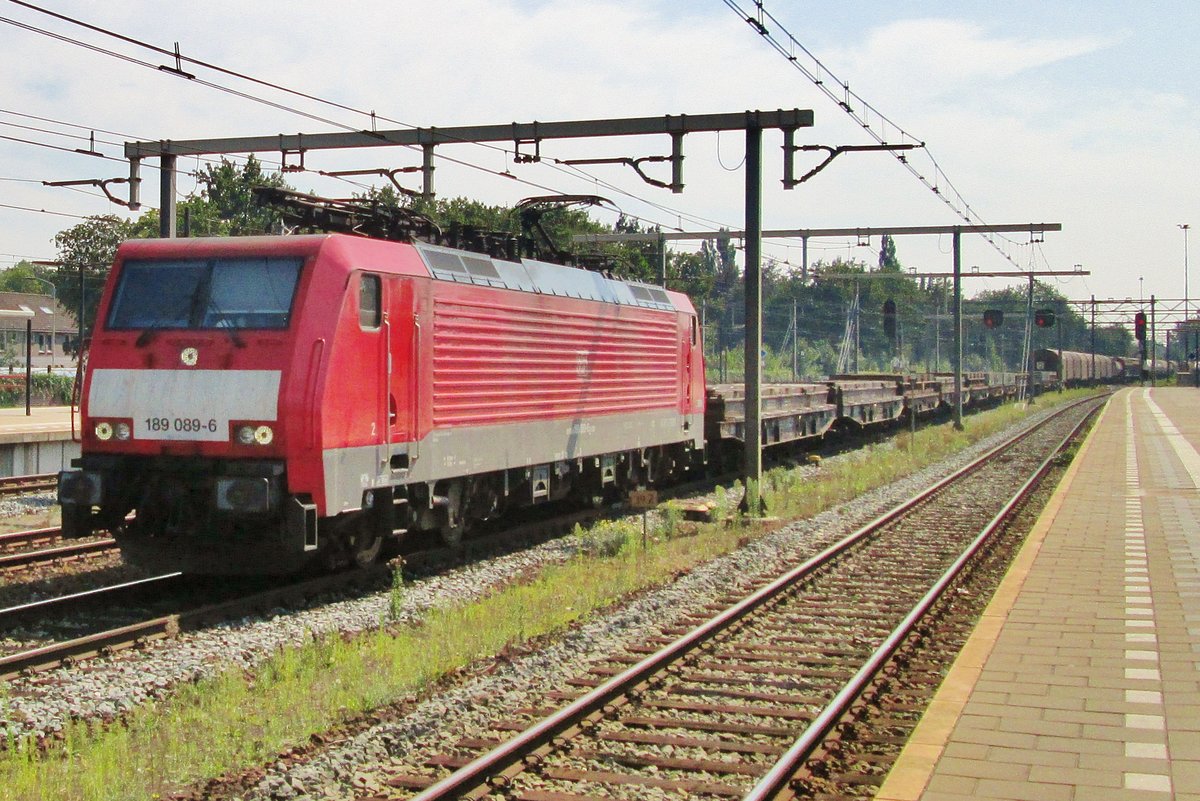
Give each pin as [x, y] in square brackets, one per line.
[219, 293]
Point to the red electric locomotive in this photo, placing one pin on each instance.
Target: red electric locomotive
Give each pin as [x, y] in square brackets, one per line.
[258, 404]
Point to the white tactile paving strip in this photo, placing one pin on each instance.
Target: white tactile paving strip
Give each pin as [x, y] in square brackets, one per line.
[1141, 662]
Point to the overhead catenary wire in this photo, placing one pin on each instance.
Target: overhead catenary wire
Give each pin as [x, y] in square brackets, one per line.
[42, 211]
[180, 58]
[821, 77]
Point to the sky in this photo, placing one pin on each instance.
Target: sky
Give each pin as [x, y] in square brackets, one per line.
[1079, 113]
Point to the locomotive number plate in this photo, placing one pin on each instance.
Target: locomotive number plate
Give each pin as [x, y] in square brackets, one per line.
[183, 425]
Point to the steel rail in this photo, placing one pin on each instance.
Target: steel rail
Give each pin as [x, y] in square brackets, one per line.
[17, 539]
[28, 558]
[158, 627]
[17, 485]
[92, 645]
[479, 771]
[777, 779]
[55, 654]
[60, 604]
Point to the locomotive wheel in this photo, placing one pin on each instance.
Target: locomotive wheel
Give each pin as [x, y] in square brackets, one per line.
[363, 544]
[452, 534]
[352, 543]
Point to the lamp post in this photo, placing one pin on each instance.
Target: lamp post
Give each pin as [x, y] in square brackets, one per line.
[1185, 228]
[53, 313]
[82, 295]
[28, 316]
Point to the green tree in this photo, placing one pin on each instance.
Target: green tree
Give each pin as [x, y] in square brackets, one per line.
[887, 254]
[25, 276]
[226, 204]
[85, 253]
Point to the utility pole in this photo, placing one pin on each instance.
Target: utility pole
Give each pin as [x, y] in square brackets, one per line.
[662, 262]
[1028, 354]
[1153, 346]
[1185, 228]
[1062, 318]
[937, 327]
[958, 343]
[795, 343]
[1093, 375]
[857, 322]
[753, 281]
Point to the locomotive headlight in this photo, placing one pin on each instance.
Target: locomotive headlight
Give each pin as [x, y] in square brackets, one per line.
[123, 431]
[104, 431]
[252, 434]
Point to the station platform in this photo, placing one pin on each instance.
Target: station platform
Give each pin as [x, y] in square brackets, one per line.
[37, 443]
[1082, 679]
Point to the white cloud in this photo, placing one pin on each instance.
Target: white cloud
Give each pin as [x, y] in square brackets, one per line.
[929, 58]
[1022, 129]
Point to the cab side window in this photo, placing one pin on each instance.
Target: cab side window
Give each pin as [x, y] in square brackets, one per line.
[370, 305]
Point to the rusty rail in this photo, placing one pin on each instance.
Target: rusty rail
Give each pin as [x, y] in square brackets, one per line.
[19, 485]
[99, 644]
[23, 539]
[777, 779]
[69, 551]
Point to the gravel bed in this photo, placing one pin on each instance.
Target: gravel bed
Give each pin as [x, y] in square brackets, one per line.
[359, 766]
[27, 504]
[103, 689]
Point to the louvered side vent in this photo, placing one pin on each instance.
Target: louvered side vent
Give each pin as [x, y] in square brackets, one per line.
[495, 363]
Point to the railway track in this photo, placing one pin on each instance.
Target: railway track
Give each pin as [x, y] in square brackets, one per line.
[23, 485]
[13, 556]
[738, 704]
[20, 540]
[133, 614]
[25, 549]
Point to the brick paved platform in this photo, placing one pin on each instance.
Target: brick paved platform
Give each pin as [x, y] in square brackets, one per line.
[1082, 681]
[38, 443]
[42, 422]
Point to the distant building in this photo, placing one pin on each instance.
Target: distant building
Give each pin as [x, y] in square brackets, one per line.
[54, 331]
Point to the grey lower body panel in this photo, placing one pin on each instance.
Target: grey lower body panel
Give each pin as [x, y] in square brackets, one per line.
[454, 452]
